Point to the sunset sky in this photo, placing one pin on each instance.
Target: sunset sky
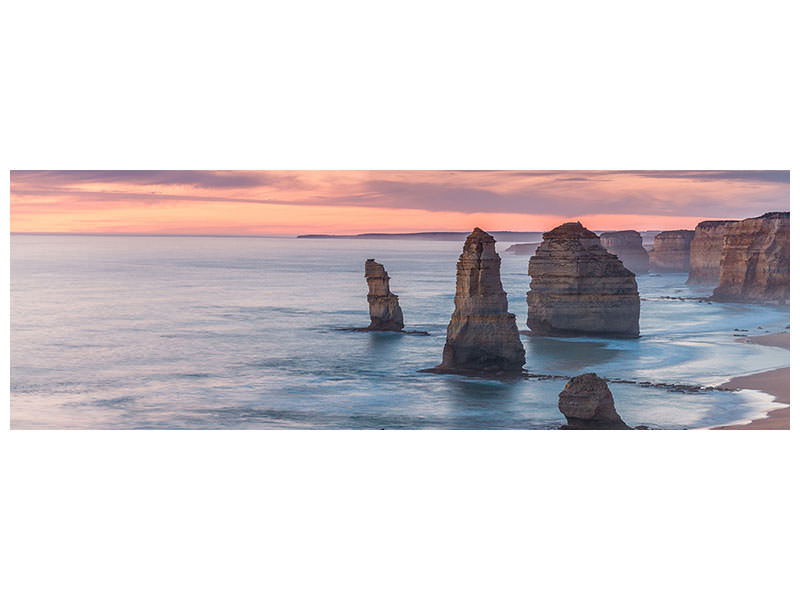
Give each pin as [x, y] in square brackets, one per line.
[295, 202]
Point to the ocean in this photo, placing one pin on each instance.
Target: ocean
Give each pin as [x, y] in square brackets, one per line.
[173, 332]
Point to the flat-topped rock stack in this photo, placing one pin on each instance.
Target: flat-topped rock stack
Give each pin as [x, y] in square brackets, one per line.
[705, 252]
[482, 335]
[579, 288]
[385, 313]
[671, 251]
[755, 261]
[627, 246]
[587, 403]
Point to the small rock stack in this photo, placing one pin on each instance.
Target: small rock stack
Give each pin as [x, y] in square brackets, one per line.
[482, 335]
[384, 308]
[578, 288]
[587, 403]
[671, 251]
[627, 246]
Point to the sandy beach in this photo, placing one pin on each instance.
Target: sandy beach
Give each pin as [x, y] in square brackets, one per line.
[774, 382]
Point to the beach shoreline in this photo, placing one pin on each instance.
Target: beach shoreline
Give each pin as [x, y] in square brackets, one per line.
[774, 382]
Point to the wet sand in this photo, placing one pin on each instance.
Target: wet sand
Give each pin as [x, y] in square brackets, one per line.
[781, 340]
[774, 382]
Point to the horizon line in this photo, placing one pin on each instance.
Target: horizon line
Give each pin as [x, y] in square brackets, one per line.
[292, 235]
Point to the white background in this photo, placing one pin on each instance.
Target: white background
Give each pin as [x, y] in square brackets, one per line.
[412, 85]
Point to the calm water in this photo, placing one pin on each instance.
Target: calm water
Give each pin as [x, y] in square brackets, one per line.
[194, 332]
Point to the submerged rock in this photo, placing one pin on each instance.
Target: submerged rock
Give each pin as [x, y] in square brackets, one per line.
[587, 403]
[705, 252]
[578, 288]
[384, 309]
[671, 251]
[482, 335]
[755, 261]
[627, 246]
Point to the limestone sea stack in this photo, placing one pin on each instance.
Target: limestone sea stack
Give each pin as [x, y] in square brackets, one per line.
[579, 288]
[705, 252]
[587, 403]
[671, 251]
[648, 239]
[482, 335]
[384, 309]
[627, 246]
[755, 261]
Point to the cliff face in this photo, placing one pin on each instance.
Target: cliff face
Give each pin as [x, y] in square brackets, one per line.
[587, 403]
[482, 335]
[705, 252]
[578, 288]
[627, 246]
[755, 261]
[384, 309]
[671, 251]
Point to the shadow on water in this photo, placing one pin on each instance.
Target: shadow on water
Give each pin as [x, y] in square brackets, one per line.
[545, 354]
[383, 341]
[481, 394]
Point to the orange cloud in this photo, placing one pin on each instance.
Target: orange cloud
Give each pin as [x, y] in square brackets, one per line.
[291, 202]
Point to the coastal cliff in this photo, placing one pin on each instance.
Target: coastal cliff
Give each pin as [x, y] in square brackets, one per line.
[671, 251]
[755, 261]
[482, 335]
[523, 249]
[627, 246]
[587, 403]
[705, 252]
[384, 308]
[578, 288]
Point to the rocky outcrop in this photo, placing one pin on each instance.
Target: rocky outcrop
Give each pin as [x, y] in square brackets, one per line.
[482, 335]
[671, 251]
[523, 249]
[755, 261]
[384, 309]
[627, 246]
[705, 252]
[587, 403]
[578, 288]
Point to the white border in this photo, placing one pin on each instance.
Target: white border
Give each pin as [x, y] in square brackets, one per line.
[363, 85]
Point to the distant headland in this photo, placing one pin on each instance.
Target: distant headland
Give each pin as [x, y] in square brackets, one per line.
[455, 236]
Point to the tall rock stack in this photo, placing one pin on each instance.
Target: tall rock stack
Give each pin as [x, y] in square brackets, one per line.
[384, 309]
[671, 251]
[587, 403]
[755, 261]
[705, 252]
[627, 246]
[578, 288]
[482, 335]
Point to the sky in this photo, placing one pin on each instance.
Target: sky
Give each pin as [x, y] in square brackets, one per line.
[344, 202]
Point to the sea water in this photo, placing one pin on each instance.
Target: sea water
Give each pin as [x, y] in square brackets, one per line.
[247, 332]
